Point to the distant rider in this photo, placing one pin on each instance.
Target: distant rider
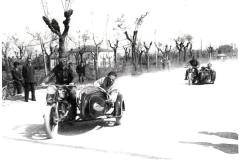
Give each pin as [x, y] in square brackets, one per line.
[195, 64]
[211, 71]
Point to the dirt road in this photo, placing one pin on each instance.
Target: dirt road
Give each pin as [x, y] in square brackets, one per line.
[164, 119]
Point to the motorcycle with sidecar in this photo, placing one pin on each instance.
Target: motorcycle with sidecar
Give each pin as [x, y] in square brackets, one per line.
[67, 103]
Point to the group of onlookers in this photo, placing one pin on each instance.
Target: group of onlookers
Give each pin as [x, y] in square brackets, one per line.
[25, 76]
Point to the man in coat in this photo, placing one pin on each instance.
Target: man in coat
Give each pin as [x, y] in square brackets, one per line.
[28, 74]
[17, 78]
[81, 71]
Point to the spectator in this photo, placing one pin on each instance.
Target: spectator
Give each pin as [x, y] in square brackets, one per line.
[28, 73]
[81, 71]
[17, 78]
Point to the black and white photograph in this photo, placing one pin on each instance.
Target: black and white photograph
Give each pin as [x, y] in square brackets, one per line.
[120, 79]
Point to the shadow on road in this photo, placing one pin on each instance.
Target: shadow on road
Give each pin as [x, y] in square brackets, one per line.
[38, 132]
[77, 128]
[229, 135]
[31, 131]
[224, 147]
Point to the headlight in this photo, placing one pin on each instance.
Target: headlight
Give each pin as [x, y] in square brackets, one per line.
[51, 94]
[51, 98]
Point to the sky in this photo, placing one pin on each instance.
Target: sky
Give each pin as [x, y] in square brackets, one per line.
[213, 22]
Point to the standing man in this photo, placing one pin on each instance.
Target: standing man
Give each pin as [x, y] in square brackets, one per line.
[81, 71]
[17, 78]
[28, 73]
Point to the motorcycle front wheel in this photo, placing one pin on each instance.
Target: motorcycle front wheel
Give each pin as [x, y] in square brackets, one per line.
[51, 121]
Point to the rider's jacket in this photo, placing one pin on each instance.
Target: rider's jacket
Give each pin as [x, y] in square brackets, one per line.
[104, 82]
[194, 63]
[64, 75]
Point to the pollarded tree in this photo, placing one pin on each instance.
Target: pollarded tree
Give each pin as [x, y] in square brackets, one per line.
[210, 51]
[147, 48]
[95, 55]
[133, 39]
[21, 53]
[183, 44]
[114, 48]
[55, 28]
[127, 51]
[139, 53]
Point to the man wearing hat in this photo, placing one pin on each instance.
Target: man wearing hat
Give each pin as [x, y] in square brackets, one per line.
[17, 77]
[28, 73]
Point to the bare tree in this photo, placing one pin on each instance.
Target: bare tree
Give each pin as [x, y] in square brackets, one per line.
[5, 50]
[55, 28]
[114, 48]
[95, 55]
[21, 53]
[210, 51]
[109, 60]
[147, 48]
[127, 51]
[43, 40]
[82, 48]
[183, 44]
[139, 53]
[158, 46]
[133, 38]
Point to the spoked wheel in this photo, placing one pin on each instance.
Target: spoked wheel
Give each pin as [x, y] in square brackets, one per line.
[51, 121]
[11, 89]
[4, 93]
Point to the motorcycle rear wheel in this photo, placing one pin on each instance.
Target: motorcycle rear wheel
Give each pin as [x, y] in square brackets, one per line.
[50, 122]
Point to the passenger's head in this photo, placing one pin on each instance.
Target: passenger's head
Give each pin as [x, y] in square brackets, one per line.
[112, 75]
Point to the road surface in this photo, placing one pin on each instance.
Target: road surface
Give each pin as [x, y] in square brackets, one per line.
[164, 119]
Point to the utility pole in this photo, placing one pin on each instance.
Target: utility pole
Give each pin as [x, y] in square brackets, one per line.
[201, 47]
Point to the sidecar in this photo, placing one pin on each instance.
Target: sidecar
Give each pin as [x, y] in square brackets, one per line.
[89, 104]
[206, 76]
[94, 103]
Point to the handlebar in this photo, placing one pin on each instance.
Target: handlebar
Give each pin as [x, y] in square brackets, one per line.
[57, 85]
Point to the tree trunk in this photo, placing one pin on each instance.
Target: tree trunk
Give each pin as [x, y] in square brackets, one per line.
[115, 57]
[61, 49]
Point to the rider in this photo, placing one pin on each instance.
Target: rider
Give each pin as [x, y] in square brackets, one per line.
[64, 76]
[106, 82]
[195, 64]
[211, 71]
